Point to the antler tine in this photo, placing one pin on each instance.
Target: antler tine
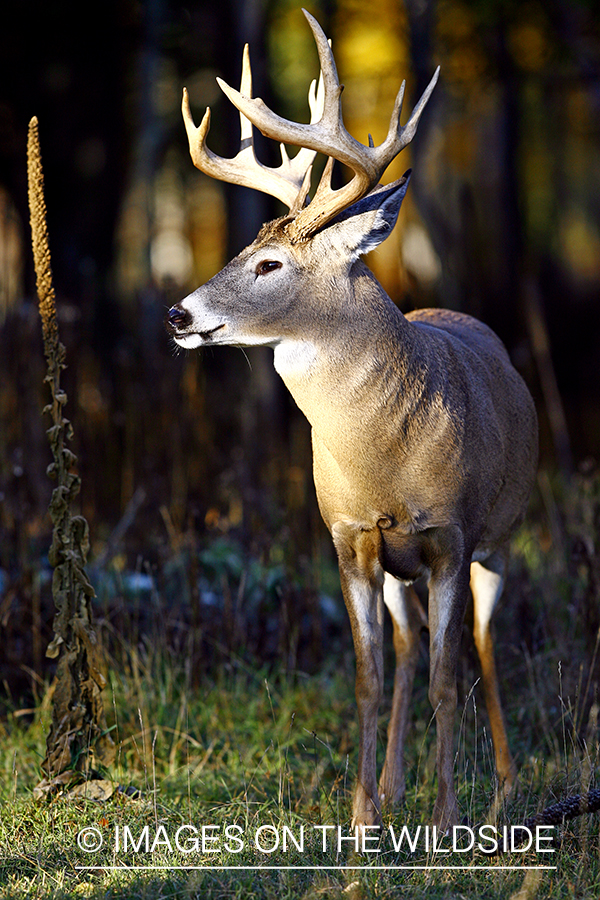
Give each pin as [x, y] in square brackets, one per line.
[331, 83]
[399, 137]
[196, 135]
[395, 127]
[411, 125]
[246, 128]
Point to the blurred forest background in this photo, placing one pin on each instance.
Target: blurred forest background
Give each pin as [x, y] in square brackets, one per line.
[196, 468]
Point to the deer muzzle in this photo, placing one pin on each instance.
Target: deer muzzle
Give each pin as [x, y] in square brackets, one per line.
[186, 331]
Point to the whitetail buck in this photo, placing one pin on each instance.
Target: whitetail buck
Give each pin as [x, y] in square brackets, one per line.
[424, 435]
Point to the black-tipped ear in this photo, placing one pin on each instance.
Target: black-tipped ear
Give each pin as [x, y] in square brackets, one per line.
[365, 224]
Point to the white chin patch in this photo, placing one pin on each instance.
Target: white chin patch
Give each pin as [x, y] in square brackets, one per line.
[189, 341]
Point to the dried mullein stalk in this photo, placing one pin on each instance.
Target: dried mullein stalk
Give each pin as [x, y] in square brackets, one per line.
[78, 735]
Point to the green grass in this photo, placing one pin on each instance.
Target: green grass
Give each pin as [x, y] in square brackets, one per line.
[252, 752]
[247, 748]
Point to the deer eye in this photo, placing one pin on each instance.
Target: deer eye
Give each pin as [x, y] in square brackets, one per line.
[267, 265]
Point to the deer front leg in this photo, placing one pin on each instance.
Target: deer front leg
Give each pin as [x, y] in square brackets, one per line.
[361, 577]
[448, 593]
[408, 618]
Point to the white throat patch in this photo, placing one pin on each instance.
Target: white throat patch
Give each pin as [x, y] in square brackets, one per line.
[294, 358]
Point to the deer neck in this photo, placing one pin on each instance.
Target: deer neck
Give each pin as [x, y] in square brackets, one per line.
[353, 362]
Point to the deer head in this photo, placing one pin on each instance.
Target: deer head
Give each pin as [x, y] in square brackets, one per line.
[298, 239]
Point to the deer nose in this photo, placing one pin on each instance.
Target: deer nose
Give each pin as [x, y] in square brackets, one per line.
[177, 318]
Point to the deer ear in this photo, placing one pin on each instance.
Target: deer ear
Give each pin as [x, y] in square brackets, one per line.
[365, 224]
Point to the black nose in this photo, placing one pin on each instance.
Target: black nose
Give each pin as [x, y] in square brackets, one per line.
[177, 318]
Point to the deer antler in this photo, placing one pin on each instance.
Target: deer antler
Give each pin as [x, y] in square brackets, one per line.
[285, 182]
[325, 134]
[329, 136]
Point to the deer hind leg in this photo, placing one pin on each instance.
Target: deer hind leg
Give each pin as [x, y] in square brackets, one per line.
[361, 576]
[487, 582]
[408, 618]
[448, 592]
